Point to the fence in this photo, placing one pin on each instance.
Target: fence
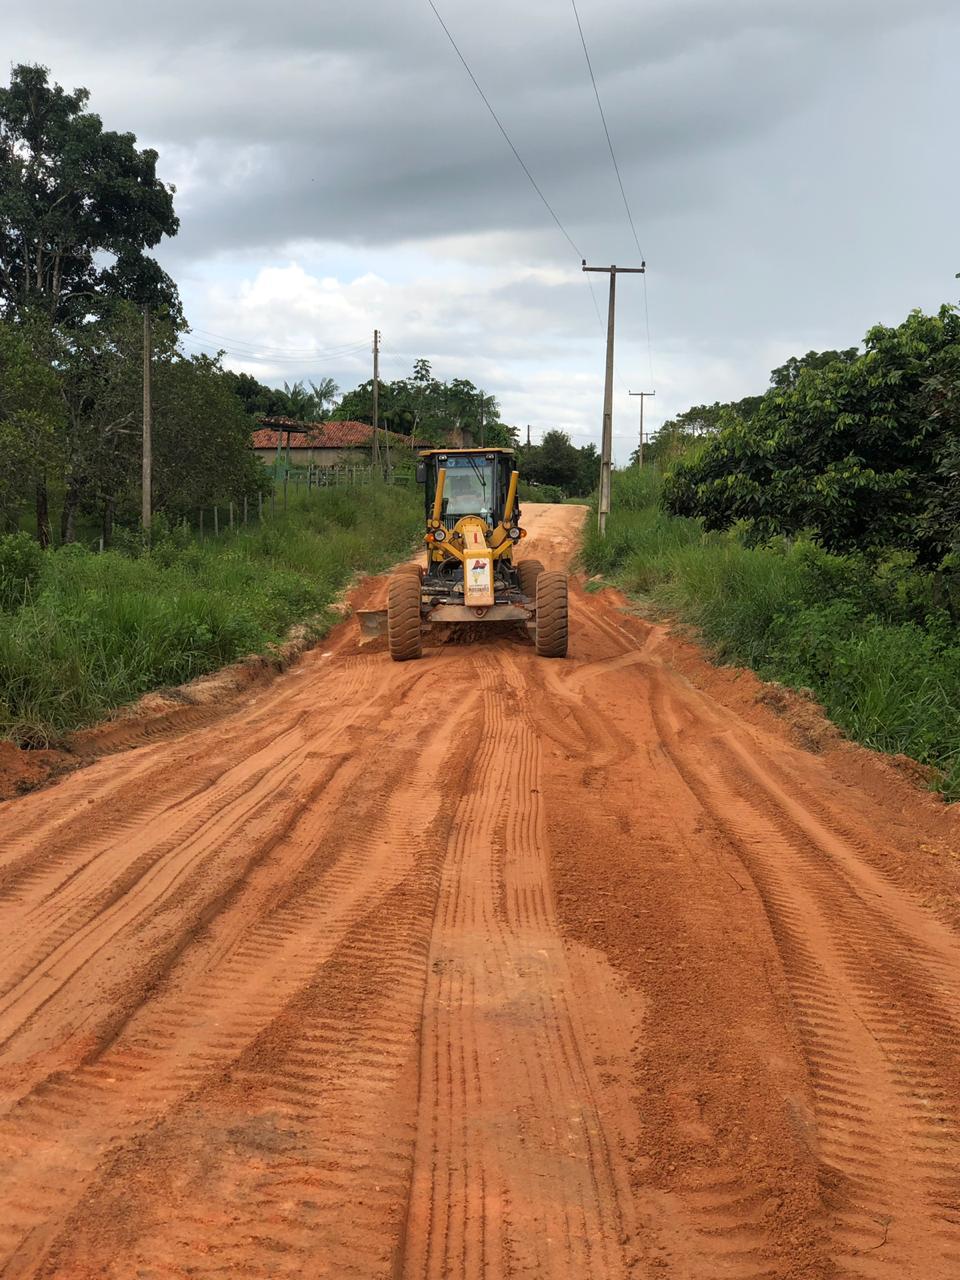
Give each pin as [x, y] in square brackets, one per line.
[225, 517]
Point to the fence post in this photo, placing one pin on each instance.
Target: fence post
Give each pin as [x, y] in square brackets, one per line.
[244, 508]
[231, 517]
[285, 478]
[260, 505]
[216, 522]
[201, 524]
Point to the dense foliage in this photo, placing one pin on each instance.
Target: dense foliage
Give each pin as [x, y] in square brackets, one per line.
[858, 451]
[78, 206]
[429, 410]
[81, 633]
[875, 642]
[558, 464]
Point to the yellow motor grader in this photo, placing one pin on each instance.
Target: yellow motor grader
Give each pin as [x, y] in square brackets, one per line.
[472, 534]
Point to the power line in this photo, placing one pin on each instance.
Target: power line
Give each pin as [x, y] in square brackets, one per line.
[486, 102]
[287, 351]
[606, 131]
[616, 167]
[200, 346]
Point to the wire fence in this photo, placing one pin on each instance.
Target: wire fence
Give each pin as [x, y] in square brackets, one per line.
[220, 518]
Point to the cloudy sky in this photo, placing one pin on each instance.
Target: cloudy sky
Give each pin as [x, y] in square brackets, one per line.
[791, 166]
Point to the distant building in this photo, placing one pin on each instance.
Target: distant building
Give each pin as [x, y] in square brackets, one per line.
[319, 444]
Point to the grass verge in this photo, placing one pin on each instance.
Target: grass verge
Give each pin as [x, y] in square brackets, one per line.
[871, 642]
[90, 632]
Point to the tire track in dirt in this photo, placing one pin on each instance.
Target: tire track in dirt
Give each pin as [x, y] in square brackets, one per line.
[879, 1023]
[515, 1173]
[217, 1013]
[704, 1206]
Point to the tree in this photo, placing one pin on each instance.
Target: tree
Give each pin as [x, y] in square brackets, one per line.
[258, 400]
[555, 461]
[429, 410]
[100, 376]
[856, 452]
[787, 374]
[202, 449]
[78, 206]
[325, 393]
[30, 417]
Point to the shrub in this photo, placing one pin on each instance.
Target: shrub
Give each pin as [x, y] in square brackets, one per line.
[20, 563]
[100, 630]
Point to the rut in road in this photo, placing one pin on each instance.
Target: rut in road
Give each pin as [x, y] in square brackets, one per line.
[515, 1172]
[481, 966]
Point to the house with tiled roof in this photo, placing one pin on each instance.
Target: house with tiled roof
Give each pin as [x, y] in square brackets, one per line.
[318, 444]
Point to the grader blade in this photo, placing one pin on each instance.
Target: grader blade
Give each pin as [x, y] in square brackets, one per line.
[373, 623]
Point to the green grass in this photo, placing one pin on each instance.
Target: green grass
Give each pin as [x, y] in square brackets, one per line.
[97, 631]
[872, 643]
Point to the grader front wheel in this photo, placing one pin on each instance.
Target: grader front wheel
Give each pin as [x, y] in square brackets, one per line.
[403, 616]
[551, 621]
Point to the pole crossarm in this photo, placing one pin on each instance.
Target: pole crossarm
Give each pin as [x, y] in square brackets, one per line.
[620, 271]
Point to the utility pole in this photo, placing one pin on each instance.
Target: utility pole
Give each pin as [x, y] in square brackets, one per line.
[528, 435]
[376, 397]
[481, 420]
[643, 395]
[146, 479]
[606, 443]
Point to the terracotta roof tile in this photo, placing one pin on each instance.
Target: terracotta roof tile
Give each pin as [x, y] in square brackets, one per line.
[316, 435]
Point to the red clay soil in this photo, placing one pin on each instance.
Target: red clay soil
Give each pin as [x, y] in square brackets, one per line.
[480, 967]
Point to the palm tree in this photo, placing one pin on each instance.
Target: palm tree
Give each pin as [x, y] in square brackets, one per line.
[301, 403]
[326, 391]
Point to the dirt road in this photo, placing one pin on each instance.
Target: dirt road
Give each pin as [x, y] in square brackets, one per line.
[482, 967]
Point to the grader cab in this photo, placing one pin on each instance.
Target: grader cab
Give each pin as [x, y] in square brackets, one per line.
[473, 574]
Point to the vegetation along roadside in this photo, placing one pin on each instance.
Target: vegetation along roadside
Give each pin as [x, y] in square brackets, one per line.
[82, 633]
[811, 534]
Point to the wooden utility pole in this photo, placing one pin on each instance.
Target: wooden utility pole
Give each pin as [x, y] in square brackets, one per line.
[643, 395]
[376, 397]
[146, 478]
[481, 421]
[606, 442]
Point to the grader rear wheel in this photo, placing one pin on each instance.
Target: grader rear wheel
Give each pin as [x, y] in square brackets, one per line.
[528, 572]
[552, 615]
[403, 616]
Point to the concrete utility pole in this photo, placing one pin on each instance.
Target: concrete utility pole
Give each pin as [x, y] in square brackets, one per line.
[146, 480]
[376, 397]
[606, 443]
[643, 395]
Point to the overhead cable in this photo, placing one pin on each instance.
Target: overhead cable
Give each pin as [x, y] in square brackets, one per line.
[616, 168]
[486, 102]
[282, 351]
[603, 120]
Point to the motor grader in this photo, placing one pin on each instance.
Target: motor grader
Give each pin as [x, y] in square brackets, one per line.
[472, 574]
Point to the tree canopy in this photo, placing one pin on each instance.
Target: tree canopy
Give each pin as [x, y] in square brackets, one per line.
[79, 205]
[428, 410]
[857, 450]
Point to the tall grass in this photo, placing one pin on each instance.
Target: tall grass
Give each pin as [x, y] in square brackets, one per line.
[96, 631]
[871, 642]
